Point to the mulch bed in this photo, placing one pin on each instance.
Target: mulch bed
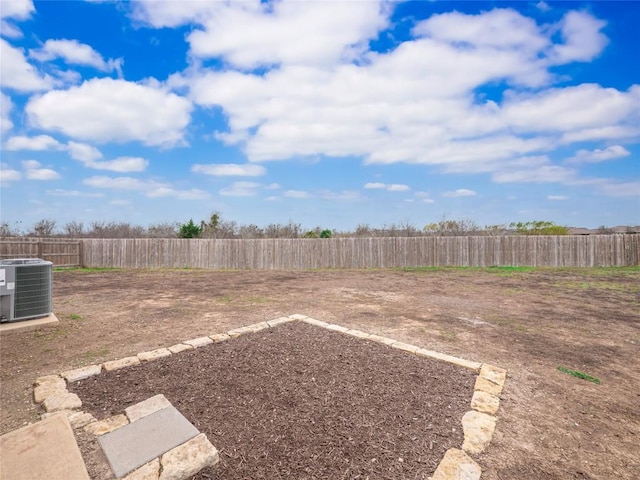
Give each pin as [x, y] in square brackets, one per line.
[298, 401]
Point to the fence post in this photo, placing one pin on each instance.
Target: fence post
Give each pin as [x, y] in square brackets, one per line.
[80, 254]
[39, 249]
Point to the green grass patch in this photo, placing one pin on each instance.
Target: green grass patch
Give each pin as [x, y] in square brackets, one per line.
[75, 316]
[93, 355]
[87, 270]
[580, 375]
[49, 335]
[224, 299]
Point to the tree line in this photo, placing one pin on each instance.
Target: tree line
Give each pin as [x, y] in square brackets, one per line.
[218, 227]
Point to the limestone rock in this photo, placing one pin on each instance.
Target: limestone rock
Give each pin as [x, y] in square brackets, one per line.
[405, 346]
[80, 419]
[146, 407]
[357, 333]
[460, 362]
[493, 374]
[82, 373]
[149, 471]
[478, 430]
[62, 401]
[54, 387]
[256, 327]
[107, 425]
[188, 459]
[179, 347]
[236, 332]
[121, 363]
[297, 316]
[154, 354]
[457, 465]
[219, 337]
[47, 379]
[199, 342]
[485, 402]
[337, 328]
[313, 321]
[278, 321]
[484, 385]
[381, 339]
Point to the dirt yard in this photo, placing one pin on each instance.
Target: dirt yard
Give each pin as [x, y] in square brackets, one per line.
[550, 424]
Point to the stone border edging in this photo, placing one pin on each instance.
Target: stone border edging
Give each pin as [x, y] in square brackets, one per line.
[478, 424]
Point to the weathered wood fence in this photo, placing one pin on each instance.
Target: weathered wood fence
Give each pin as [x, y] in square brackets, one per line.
[62, 252]
[292, 254]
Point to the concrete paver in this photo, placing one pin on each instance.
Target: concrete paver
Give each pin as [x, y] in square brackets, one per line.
[42, 451]
[139, 442]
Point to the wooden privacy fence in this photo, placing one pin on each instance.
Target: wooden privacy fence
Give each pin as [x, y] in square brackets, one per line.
[293, 254]
[62, 252]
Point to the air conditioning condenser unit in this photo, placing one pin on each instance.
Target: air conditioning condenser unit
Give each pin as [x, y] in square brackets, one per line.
[26, 286]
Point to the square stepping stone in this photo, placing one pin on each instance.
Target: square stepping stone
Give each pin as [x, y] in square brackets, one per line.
[139, 442]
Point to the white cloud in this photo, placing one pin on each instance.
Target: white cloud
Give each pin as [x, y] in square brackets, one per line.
[537, 174]
[571, 108]
[74, 53]
[241, 189]
[120, 164]
[33, 171]
[557, 197]
[9, 30]
[172, 14]
[37, 143]
[283, 32]
[8, 174]
[6, 105]
[60, 192]
[428, 200]
[17, 9]
[398, 188]
[296, 194]
[230, 169]
[599, 155]
[503, 29]
[543, 6]
[150, 188]
[395, 187]
[416, 103]
[342, 196]
[582, 38]
[18, 74]
[614, 188]
[460, 192]
[105, 109]
[83, 152]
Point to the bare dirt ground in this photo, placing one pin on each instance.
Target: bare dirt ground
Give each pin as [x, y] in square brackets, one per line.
[550, 424]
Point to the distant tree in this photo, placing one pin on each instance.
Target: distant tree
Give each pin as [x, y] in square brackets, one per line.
[74, 229]
[189, 230]
[102, 229]
[44, 227]
[326, 233]
[163, 230]
[311, 234]
[602, 230]
[538, 227]
[464, 226]
[6, 230]
[363, 230]
[495, 230]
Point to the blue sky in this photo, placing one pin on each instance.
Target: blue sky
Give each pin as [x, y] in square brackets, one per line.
[326, 113]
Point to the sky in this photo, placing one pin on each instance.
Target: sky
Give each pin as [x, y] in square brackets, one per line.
[326, 113]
